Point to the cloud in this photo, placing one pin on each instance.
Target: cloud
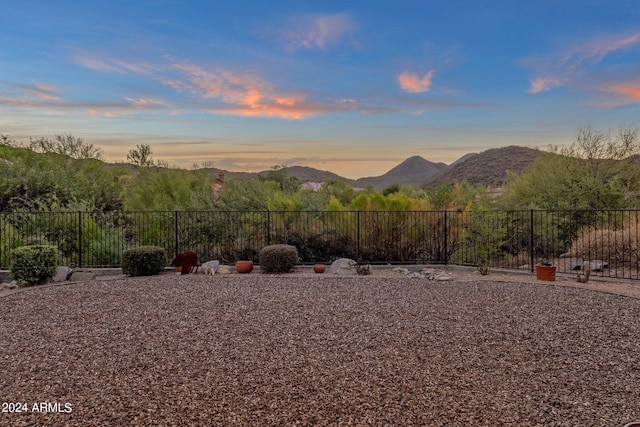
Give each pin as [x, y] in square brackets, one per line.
[574, 65]
[106, 63]
[316, 31]
[411, 82]
[241, 94]
[222, 91]
[40, 90]
[105, 108]
[543, 84]
[630, 91]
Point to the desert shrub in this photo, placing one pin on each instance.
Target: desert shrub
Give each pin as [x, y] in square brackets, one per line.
[34, 265]
[144, 261]
[616, 246]
[278, 258]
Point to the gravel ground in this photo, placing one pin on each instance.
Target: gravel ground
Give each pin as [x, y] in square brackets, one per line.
[318, 350]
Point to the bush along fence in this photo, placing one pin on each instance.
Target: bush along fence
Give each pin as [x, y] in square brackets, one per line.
[608, 240]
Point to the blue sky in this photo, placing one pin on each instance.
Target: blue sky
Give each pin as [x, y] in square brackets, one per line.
[354, 87]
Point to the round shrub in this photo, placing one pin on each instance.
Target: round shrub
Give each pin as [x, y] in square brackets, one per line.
[34, 265]
[144, 261]
[278, 258]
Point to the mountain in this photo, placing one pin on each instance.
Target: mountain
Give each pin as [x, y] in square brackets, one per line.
[490, 167]
[308, 174]
[463, 158]
[413, 171]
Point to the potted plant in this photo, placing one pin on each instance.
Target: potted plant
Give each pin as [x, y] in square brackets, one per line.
[546, 271]
[319, 268]
[244, 266]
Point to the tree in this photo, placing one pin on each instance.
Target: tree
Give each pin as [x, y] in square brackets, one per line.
[6, 140]
[280, 175]
[596, 171]
[67, 145]
[141, 156]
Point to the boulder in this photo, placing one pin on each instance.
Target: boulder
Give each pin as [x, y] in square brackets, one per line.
[209, 268]
[596, 265]
[62, 274]
[343, 266]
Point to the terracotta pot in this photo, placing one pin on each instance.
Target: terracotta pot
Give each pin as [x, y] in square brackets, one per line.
[179, 269]
[244, 266]
[546, 272]
[319, 268]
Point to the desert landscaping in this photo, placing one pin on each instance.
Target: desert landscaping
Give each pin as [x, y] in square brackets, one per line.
[320, 349]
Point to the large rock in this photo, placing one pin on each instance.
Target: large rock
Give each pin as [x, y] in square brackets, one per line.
[209, 267]
[343, 266]
[596, 265]
[62, 274]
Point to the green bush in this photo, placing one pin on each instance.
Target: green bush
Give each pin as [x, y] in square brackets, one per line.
[144, 261]
[278, 258]
[34, 265]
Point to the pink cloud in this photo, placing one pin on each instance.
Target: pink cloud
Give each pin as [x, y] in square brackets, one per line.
[245, 95]
[627, 90]
[41, 90]
[573, 65]
[411, 82]
[318, 31]
[543, 84]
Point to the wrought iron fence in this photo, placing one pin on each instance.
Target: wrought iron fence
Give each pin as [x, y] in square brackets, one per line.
[501, 239]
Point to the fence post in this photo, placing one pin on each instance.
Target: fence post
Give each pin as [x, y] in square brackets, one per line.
[446, 258]
[358, 237]
[531, 228]
[175, 231]
[80, 239]
[268, 226]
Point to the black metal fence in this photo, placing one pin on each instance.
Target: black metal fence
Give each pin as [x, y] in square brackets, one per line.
[499, 239]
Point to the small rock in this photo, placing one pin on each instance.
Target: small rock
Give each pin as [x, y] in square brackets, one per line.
[578, 265]
[11, 285]
[223, 269]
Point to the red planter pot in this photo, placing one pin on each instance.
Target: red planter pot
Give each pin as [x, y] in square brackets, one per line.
[546, 272]
[319, 268]
[244, 266]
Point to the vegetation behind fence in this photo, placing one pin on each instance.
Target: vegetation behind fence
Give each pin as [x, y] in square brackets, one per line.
[494, 239]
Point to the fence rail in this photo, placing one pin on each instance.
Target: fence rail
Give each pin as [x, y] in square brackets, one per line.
[500, 239]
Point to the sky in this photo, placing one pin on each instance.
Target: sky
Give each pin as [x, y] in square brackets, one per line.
[354, 87]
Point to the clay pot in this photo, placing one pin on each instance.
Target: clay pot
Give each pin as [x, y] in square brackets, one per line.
[546, 272]
[319, 268]
[244, 266]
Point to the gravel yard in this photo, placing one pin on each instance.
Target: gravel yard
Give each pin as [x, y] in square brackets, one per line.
[318, 350]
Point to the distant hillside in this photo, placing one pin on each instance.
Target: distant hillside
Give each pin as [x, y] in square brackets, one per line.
[490, 167]
[308, 174]
[463, 158]
[413, 171]
[487, 168]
